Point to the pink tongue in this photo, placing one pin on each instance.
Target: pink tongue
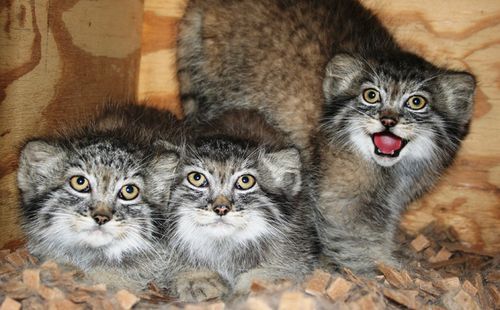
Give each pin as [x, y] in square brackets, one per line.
[387, 142]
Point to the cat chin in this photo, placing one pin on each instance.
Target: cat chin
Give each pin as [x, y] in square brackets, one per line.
[195, 227]
[97, 238]
[385, 161]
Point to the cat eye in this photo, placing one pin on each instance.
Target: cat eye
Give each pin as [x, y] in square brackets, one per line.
[245, 182]
[128, 192]
[371, 95]
[197, 179]
[416, 102]
[80, 184]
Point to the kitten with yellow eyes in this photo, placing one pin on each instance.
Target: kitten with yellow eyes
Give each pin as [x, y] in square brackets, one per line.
[235, 209]
[378, 124]
[94, 197]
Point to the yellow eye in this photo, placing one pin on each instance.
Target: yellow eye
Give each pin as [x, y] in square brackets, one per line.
[128, 192]
[416, 102]
[371, 96]
[79, 184]
[245, 182]
[197, 179]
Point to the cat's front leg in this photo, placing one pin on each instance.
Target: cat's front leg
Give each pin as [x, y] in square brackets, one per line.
[195, 285]
[357, 247]
[266, 274]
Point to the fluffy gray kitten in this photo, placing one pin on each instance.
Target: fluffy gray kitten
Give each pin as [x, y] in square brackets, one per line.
[236, 210]
[378, 124]
[94, 196]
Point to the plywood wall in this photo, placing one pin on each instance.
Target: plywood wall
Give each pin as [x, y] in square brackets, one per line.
[58, 59]
[460, 34]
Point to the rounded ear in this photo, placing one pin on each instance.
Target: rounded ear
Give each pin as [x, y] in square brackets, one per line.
[160, 174]
[283, 169]
[40, 164]
[340, 73]
[458, 94]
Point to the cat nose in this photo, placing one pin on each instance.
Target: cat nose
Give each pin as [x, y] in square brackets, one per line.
[101, 215]
[222, 210]
[221, 205]
[101, 219]
[388, 121]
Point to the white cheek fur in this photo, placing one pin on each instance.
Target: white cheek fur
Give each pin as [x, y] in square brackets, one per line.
[71, 234]
[202, 235]
[420, 146]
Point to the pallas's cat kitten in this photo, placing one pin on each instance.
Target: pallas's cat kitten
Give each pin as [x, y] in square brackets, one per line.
[94, 196]
[378, 124]
[235, 208]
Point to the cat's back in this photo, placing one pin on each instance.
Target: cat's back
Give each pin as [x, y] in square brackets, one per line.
[140, 124]
[251, 54]
[266, 54]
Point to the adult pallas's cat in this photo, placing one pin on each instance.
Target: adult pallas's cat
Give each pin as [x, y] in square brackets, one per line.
[379, 124]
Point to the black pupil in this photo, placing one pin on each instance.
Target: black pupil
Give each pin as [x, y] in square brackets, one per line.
[129, 189]
[245, 179]
[416, 101]
[80, 180]
[372, 95]
[197, 177]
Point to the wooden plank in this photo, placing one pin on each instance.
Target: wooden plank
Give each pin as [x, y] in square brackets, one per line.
[58, 61]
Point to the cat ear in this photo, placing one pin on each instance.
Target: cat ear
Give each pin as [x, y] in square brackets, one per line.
[283, 169]
[340, 73]
[161, 172]
[458, 92]
[40, 164]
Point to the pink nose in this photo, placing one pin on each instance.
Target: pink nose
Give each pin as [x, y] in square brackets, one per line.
[101, 219]
[388, 122]
[221, 210]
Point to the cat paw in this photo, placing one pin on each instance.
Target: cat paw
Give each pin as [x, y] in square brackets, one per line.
[197, 286]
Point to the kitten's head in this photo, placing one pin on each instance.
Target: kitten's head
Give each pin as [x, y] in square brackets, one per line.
[231, 191]
[93, 197]
[396, 107]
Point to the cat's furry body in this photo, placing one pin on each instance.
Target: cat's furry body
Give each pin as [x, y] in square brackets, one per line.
[378, 124]
[263, 231]
[97, 229]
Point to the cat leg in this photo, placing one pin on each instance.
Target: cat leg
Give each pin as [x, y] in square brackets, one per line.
[199, 285]
[358, 248]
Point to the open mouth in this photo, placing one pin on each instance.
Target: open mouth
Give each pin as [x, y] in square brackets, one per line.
[388, 144]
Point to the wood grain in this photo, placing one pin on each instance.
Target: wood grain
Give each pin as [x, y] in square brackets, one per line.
[58, 61]
[157, 77]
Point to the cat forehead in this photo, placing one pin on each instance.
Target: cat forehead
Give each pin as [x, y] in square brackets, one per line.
[217, 165]
[401, 72]
[104, 153]
[223, 149]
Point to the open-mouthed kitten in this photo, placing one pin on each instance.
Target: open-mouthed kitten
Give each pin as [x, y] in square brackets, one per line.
[236, 209]
[95, 196]
[378, 124]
